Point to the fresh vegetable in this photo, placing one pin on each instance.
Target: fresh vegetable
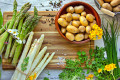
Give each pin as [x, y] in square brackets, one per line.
[63, 30]
[79, 37]
[68, 17]
[72, 29]
[83, 14]
[90, 17]
[100, 2]
[116, 9]
[63, 16]
[79, 9]
[83, 21]
[70, 36]
[1, 19]
[62, 22]
[107, 6]
[76, 23]
[70, 9]
[86, 36]
[115, 2]
[82, 28]
[88, 29]
[75, 16]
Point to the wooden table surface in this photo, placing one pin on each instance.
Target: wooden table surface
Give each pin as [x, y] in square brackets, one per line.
[7, 5]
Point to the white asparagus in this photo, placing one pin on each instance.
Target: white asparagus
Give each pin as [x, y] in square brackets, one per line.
[41, 64]
[24, 53]
[31, 49]
[47, 61]
[38, 59]
[31, 57]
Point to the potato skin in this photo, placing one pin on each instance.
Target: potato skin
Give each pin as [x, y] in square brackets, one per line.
[91, 24]
[79, 9]
[100, 2]
[76, 23]
[79, 37]
[88, 29]
[70, 36]
[70, 9]
[82, 28]
[83, 14]
[62, 22]
[108, 1]
[72, 29]
[63, 16]
[116, 9]
[69, 17]
[75, 16]
[115, 2]
[107, 6]
[86, 36]
[63, 30]
[90, 17]
[83, 21]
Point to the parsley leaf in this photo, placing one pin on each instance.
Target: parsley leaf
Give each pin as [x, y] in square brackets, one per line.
[24, 64]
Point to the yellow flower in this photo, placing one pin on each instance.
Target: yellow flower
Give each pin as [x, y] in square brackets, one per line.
[87, 78]
[99, 70]
[35, 75]
[90, 77]
[30, 77]
[110, 67]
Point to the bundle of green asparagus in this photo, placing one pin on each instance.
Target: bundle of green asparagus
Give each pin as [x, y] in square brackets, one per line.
[16, 31]
[32, 62]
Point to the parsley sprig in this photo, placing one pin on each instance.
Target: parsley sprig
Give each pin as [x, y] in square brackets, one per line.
[24, 64]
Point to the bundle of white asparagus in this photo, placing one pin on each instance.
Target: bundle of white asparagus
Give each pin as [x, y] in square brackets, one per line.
[32, 62]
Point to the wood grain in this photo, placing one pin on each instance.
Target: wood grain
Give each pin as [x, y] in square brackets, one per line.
[53, 40]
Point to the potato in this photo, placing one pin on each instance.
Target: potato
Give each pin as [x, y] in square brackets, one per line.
[75, 16]
[69, 17]
[90, 17]
[107, 6]
[83, 21]
[115, 2]
[88, 29]
[72, 29]
[76, 23]
[62, 22]
[86, 36]
[100, 2]
[63, 30]
[82, 28]
[79, 9]
[70, 36]
[70, 9]
[91, 24]
[79, 37]
[83, 14]
[116, 9]
[63, 16]
[108, 1]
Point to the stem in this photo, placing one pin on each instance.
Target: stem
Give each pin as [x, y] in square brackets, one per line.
[112, 75]
[13, 49]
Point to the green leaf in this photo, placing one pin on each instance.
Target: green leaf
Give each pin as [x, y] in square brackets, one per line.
[1, 19]
[79, 53]
[45, 78]
[91, 50]
[24, 64]
[83, 53]
[88, 71]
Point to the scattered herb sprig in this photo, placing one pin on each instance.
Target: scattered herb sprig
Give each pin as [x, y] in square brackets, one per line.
[24, 64]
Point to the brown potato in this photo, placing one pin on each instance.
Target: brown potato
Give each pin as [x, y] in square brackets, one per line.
[88, 29]
[82, 28]
[70, 9]
[108, 1]
[79, 9]
[91, 24]
[107, 6]
[63, 16]
[100, 2]
[69, 17]
[72, 29]
[90, 17]
[83, 21]
[75, 16]
[79, 37]
[62, 22]
[83, 14]
[115, 2]
[76, 23]
[86, 36]
[70, 36]
[116, 9]
[63, 30]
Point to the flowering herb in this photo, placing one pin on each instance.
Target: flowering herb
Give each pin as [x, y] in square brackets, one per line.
[24, 64]
[32, 77]
[90, 77]
[96, 33]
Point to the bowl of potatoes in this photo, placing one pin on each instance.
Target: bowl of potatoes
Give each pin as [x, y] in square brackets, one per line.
[74, 21]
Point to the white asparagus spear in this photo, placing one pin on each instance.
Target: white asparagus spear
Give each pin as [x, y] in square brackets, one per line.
[31, 49]
[41, 64]
[24, 53]
[47, 61]
[38, 59]
[31, 57]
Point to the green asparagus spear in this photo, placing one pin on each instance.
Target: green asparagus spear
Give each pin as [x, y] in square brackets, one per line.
[13, 49]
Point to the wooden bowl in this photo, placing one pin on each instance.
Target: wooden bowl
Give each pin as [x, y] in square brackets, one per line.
[88, 9]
